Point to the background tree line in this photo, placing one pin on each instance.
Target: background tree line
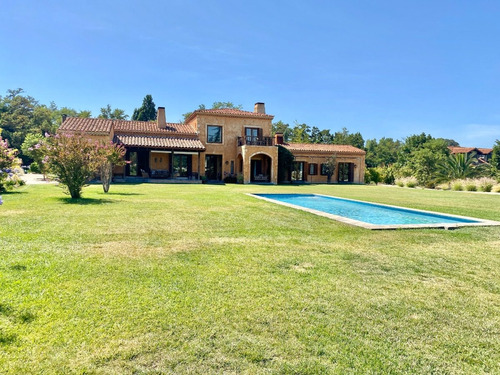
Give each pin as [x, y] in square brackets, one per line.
[24, 120]
[421, 156]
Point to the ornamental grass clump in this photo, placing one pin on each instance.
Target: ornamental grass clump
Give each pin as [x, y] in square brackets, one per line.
[444, 186]
[486, 184]
[470, 185]
[457, 185]
[410, 182]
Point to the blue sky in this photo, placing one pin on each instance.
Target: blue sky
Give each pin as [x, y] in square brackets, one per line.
[383, 68]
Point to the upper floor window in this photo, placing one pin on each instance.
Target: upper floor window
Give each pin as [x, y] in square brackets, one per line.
[214, 134]
[252, 133]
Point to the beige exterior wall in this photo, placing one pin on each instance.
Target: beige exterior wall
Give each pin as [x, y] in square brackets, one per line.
[265, 154]
[232, 128]
[159, 160]
[320, 158]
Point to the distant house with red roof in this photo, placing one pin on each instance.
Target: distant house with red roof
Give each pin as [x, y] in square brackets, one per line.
[483, 155]
[216, 143]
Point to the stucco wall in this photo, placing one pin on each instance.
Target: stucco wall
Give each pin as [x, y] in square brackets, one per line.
[317, 158]
[232, 128]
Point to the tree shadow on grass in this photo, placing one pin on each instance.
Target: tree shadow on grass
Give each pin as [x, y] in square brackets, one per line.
[114, 193]
[13, 192]
[85, 201]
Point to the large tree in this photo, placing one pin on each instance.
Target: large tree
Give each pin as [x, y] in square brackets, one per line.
[281, 127]
[381, 153]
[215, 105]
[424, 162]
[21, 114]
[116, 114]
[301, 133]
[343, 137]
[146, 112]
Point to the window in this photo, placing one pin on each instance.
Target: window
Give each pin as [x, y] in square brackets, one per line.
[298, 171]
[214, 134]
[313, 169]
[252, 135]
[180, 165]
[133, 163]
[323, 170]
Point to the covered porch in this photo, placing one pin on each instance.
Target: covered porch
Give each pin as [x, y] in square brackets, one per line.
[146, 160]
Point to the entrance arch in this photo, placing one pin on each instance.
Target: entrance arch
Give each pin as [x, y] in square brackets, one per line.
[261, 168]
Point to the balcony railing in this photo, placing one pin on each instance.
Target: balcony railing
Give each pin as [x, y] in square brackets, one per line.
[255, 141]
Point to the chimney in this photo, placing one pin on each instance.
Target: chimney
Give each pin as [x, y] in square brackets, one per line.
[259, 108]
[64, 117]
[161, 118]
[278, 139]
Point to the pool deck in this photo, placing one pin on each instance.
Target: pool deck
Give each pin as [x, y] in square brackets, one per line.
[447, 226]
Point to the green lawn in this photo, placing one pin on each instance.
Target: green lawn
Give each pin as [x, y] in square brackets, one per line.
[204, 279]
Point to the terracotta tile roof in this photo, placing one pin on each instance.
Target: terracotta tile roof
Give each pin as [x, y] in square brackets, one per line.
[86, 125]
[460, 150]
[485, 151]
[151, 127]
[230, 112]
[465, 150]
[171, 143]
[320, 147]
[104, 126]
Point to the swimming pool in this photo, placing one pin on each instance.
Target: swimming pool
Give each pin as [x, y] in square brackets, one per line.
[371, 215]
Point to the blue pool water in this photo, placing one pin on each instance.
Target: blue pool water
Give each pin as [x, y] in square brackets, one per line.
[366, 212]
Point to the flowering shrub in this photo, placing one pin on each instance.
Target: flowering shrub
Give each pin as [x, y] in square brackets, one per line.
[108, 155]
[9, 167]
[75, 160]
[33, 146]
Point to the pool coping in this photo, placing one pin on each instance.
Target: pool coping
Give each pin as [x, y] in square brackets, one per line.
[358, 223]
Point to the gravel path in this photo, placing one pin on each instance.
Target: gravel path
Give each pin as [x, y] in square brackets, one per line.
[35, 178]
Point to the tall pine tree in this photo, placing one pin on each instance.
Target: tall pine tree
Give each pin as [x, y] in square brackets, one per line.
[147, 112]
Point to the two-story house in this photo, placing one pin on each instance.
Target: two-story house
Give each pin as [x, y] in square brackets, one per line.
[215, 143]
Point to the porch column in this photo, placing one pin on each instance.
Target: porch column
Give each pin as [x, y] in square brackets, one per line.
[199, 161]
[171, 164]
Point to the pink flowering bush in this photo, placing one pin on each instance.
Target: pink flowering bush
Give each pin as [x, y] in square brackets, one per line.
[8, 164]
[75, 159]
[109, 154]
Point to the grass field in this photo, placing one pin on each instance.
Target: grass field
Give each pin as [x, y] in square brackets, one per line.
[204, 279]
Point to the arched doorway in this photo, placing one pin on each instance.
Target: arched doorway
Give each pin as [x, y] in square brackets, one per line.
[260, 168]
